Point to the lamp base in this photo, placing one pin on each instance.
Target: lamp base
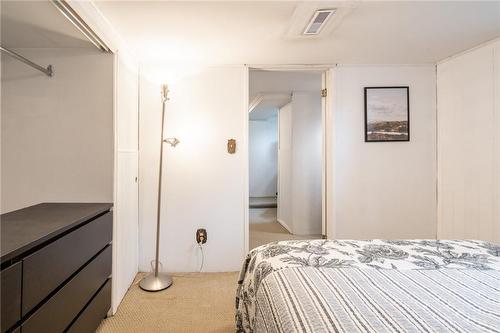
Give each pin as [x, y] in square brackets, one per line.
[155, 283]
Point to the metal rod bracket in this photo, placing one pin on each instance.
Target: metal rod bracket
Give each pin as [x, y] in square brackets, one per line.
[47, 71]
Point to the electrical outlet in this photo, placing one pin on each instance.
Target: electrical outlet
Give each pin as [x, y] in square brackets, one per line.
[201, 236]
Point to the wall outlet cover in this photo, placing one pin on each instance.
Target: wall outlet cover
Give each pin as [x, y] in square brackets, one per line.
[201, 236]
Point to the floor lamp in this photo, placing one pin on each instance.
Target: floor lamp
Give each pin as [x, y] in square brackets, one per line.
[157, 281]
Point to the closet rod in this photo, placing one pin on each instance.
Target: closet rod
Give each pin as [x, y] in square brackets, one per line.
[47, 71]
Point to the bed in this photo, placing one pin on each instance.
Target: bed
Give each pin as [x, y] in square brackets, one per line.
[370, 286]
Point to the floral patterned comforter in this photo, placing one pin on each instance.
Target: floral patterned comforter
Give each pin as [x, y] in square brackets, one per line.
[360, 254]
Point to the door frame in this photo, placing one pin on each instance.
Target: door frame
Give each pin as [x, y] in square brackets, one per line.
[327, 70]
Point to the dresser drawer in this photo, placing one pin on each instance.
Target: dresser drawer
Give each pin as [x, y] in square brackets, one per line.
[59, 311]
[11, 295]
[46, 269]
[94, 313]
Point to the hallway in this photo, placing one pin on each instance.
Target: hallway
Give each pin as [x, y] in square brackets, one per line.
[264, 228]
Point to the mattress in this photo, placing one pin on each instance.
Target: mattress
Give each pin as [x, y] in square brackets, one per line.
[370, 286]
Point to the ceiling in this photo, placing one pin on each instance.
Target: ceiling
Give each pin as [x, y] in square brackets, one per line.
[38, 24]
[258, 32]
[270, 90]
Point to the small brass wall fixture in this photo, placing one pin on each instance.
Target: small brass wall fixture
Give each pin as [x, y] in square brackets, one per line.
[231, 146]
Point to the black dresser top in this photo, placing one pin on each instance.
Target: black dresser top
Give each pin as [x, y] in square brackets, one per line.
[24, 229]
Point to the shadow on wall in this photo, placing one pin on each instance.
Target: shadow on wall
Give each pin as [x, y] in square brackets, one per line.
[263, 157]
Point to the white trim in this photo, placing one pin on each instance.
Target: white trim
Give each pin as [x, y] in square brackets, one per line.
[104, 29]
[490, 42]
[114, 264]
[425, 64]
[255, 102]
[97, 22]
[280, 221]
[246, 167]
[496, 146]
[292, 67]
[330, 153]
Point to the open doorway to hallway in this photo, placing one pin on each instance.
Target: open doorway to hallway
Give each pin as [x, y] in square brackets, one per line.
[285, 155]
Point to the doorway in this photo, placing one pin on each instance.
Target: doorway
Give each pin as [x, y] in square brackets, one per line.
[286, 155]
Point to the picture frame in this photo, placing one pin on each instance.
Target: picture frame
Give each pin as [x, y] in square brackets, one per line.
[387, 114]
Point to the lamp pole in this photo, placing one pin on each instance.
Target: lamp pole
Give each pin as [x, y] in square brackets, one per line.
[157, 281]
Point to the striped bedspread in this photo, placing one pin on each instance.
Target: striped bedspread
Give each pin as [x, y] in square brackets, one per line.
[370, 286]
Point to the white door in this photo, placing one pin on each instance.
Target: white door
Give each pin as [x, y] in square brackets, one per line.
[285, 208]
[125, 229]
[328, 221]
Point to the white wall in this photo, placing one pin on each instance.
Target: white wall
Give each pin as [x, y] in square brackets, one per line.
[57, 133]
[299, 206]
[469, 150]
[204, 186]
[384, 190]
[263, 156]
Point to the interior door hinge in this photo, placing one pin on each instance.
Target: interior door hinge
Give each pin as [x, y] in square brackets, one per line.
[324, 92]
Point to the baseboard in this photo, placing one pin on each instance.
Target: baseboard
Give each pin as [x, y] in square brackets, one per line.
[285, 226]
[263, 205]
[270, 203]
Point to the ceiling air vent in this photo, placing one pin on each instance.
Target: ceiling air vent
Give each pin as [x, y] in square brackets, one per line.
[318, 21]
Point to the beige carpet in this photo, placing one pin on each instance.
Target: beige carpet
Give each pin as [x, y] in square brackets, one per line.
[263, 233]
[196, 302]
[262, 215]
[265, 229]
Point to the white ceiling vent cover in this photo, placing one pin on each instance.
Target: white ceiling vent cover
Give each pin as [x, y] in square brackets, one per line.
[318, 21]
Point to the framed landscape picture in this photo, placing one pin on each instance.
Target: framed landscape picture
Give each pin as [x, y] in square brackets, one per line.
[387, 114]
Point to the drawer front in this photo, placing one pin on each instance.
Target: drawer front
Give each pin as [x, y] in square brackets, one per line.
[94, 313]
[59, 311]
[46, 269]
[11, 295]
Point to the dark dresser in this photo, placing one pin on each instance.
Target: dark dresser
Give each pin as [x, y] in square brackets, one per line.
[56, 267]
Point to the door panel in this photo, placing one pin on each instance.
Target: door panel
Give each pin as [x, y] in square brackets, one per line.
[285, 167]
[126, 229]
